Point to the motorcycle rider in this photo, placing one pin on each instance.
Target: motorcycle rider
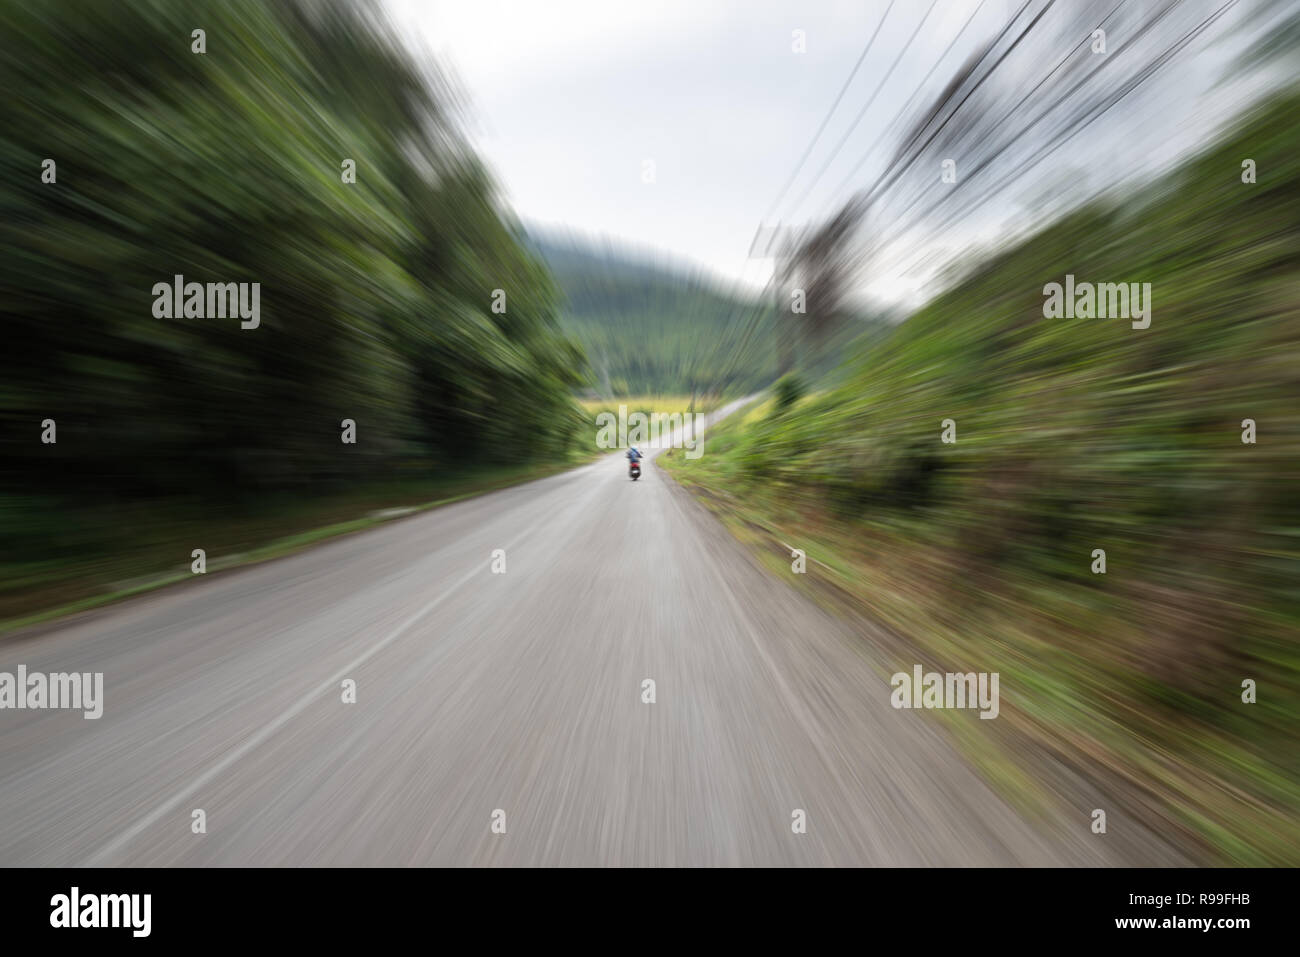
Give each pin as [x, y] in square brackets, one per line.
[634, 456]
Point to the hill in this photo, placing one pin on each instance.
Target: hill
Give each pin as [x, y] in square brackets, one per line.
[650, 326]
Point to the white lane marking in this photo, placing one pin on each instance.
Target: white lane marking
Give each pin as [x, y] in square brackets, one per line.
[326, 687]
[792, 550]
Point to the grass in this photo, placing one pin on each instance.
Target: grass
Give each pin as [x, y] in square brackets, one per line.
[1220, 801]
[646, 405]
[1075, 435]
[97, 563]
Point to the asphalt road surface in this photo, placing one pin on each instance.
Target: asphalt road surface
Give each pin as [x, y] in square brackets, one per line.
[480, 692]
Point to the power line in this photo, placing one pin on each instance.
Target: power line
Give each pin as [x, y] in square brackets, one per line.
[863, 112]
[915, 93]
[921, 129]
[992, 46]
[983, 164]
[821, 129]
[1047, 111]
[1090, 116]
[882, 183]
[1080, 121]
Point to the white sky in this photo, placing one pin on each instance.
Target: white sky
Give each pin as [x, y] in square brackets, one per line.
[568, 98]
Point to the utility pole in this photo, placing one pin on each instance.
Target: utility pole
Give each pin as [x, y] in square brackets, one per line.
[777, 243]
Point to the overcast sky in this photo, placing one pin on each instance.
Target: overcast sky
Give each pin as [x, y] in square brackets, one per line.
[569, 98]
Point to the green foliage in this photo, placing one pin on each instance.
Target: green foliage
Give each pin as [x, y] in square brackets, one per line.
[789, 389]
[651, 329]
[1076, 434]
[225, 167]
[1087, 430]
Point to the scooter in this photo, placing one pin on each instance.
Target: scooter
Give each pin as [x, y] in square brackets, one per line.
[634, 470]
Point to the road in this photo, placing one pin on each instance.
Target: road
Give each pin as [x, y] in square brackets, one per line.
[478, 692]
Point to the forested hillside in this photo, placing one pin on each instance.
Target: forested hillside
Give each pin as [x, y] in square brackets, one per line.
[650, 327]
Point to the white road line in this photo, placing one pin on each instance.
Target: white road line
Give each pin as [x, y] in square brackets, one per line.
[792, 549]
[114, 846]
[117, 844]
